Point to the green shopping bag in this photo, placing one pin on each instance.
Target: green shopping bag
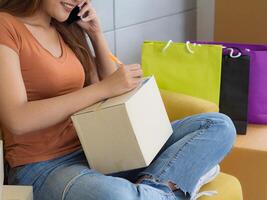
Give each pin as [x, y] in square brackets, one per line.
[186, 68]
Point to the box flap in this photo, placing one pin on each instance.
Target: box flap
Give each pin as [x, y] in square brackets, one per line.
[113, 101]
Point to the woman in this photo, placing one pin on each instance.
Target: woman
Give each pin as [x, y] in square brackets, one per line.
[47, 73]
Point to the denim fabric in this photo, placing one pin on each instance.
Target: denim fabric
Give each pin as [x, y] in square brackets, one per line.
[197, 144]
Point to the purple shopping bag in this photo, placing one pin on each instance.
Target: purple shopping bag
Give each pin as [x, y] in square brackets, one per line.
[257, 99]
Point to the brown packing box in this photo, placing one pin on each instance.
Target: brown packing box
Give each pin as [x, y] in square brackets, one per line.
[242, 21]
[124, 132]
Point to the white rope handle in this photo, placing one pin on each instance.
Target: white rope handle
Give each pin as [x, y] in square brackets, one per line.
[232, 53]
[246, 49]
[167, 46]
[189, 48]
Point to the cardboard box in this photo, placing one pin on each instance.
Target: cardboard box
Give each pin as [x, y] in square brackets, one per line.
[17, 193]
[242, 21]
[125, 132]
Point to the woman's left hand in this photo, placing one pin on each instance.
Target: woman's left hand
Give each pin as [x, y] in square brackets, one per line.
[89, 20]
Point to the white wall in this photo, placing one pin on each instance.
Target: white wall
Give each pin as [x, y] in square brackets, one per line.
[205, 19]
[127, 23]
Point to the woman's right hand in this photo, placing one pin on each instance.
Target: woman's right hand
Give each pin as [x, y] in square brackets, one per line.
[124, 79]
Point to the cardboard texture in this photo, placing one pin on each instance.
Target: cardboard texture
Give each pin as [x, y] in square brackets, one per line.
[125, 132]
[17, 193]
[242, 21]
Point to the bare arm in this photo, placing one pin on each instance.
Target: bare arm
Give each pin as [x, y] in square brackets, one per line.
[21, 116]
[92, 27]
[105, 66]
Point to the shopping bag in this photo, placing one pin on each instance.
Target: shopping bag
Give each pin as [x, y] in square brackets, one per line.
[185, 68]
[234, 87]
[257, 97]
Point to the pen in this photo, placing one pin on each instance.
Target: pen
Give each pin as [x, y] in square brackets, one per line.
[115, 59]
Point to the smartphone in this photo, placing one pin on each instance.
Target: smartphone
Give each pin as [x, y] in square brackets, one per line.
[74, 15]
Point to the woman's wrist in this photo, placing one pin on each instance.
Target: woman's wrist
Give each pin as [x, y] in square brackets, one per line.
[102, 90]
[96, 36]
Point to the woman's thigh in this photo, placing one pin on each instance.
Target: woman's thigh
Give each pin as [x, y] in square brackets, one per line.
[78, 182]
[70, 178]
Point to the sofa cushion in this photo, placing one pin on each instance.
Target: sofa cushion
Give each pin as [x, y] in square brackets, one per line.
[179, 105]
[227, 186]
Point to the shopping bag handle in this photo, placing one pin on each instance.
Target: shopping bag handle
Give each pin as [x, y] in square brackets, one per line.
[232, 51]
[190, 50]
[167, 46]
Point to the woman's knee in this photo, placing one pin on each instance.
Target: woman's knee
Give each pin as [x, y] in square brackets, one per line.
[223, 124]
[223, 128]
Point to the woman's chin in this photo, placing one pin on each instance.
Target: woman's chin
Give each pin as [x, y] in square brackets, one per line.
[61, 18]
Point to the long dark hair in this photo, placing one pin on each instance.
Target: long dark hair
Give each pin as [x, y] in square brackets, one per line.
[73, 34]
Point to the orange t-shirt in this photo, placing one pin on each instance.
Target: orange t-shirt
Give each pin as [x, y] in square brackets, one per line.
[44, 76]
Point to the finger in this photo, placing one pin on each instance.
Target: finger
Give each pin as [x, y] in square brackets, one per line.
[85, 5]
[85, 10]
[136, 73]
[89, 18]
[137, 69]
[82, 4]
[134, 67]
[137, 79]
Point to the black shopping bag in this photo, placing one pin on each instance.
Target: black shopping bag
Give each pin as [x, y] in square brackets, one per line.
[235, 87]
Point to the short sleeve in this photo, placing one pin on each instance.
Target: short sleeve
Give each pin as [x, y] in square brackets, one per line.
[8, 35]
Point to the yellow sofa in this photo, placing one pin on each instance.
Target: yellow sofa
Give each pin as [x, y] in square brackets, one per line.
[179, 106]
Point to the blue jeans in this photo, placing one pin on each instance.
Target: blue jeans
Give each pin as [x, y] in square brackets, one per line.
[197, 144]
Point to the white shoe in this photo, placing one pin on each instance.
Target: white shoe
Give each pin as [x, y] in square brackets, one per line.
[206, 178]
